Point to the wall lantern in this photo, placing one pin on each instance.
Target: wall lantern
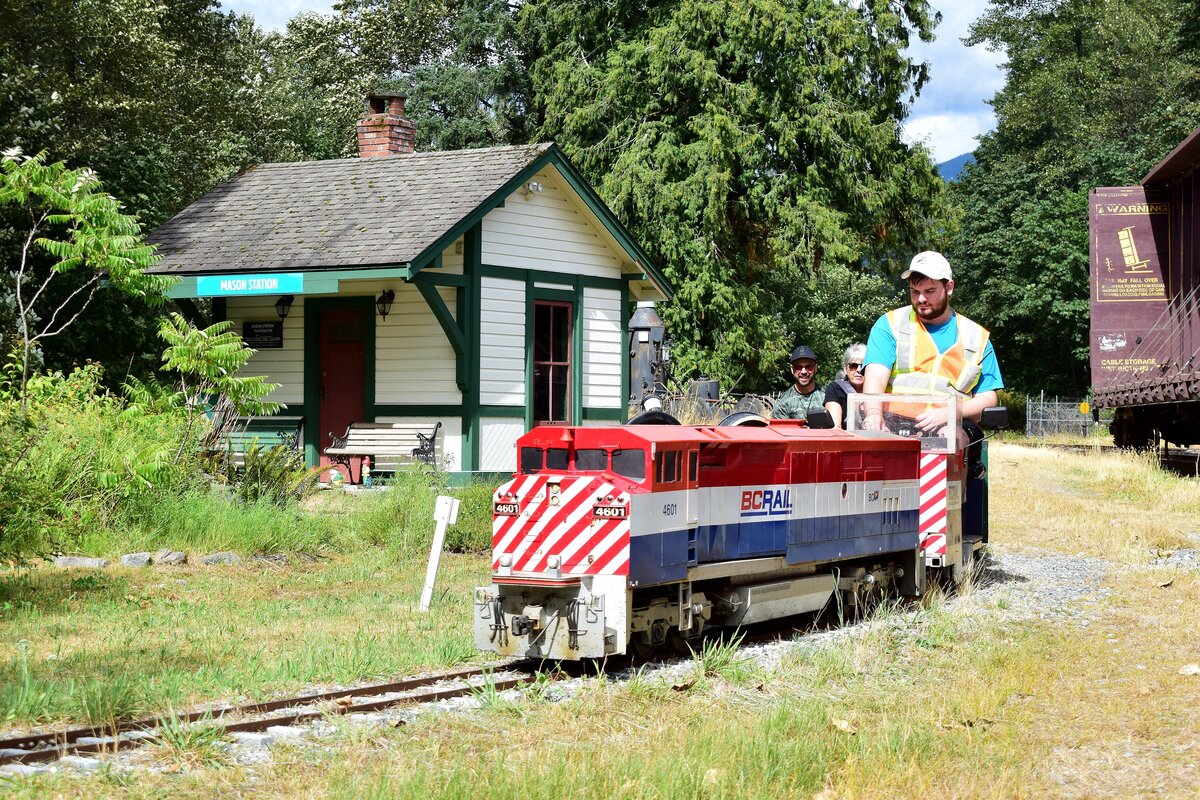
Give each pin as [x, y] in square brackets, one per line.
[283, 306]
[383, 303]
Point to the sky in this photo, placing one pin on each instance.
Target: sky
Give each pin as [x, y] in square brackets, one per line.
[950, 113]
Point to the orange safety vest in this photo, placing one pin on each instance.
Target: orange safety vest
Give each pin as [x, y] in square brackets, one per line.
[921, 369]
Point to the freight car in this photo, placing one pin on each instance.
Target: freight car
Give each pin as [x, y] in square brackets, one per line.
[1145, 302]
[623, 539]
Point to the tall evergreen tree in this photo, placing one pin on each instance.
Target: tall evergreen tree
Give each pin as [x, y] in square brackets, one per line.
[751, 147]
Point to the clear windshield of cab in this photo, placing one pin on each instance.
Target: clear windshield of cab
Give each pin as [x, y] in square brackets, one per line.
[931, 418]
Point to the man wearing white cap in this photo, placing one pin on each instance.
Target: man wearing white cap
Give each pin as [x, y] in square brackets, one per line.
[928, 348]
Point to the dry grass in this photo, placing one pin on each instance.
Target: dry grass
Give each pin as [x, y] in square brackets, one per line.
[969, 698]
[1109, 505]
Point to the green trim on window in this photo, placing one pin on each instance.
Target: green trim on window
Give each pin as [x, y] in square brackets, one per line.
[534, 294]
[313, 308]
[606, 414]
[554, 295]
[471, 319]
[529, 317]
[493, 411]
[577, 361]
[543, 276]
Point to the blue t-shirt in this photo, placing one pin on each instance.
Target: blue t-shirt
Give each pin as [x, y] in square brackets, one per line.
[881, 349]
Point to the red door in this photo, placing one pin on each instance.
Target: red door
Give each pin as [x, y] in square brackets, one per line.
[341, 373]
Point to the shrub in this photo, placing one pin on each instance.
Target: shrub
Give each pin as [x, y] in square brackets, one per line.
[473, 531]
[76, 456]
[1016, 404]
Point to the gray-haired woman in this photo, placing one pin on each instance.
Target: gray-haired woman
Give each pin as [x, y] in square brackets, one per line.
[848, 381]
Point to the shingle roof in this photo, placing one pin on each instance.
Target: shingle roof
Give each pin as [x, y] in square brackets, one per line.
[335, 214]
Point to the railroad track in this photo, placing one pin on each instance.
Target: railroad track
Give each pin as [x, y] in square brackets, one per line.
[258, 717]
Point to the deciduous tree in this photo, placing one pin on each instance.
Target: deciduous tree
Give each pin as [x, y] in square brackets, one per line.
[88, 237]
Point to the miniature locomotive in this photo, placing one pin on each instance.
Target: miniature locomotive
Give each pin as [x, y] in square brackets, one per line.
[621, 539]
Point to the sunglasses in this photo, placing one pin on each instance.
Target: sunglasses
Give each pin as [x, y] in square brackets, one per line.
[854, 365]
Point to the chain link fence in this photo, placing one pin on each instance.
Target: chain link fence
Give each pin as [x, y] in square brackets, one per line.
[1047, 416]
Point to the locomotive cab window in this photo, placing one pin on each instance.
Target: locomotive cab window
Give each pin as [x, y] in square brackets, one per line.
[534, 459]
[591, 459]
[630, 464]
[668, 466]
[626, 463]
[557, 458]
[531, 460]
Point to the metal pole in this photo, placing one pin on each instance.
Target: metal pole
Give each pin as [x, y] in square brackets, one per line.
[446, 514]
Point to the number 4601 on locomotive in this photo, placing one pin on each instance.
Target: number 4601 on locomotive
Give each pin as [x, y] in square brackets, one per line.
[620, 539]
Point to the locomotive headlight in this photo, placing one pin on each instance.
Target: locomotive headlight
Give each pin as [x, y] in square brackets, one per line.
[555, 488]
[552, 562]
[553, 499]
[506, 560]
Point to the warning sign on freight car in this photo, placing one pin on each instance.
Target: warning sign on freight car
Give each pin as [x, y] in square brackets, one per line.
[1129, 230]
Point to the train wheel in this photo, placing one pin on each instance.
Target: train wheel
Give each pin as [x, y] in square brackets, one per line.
[642, 648]
[683, 645]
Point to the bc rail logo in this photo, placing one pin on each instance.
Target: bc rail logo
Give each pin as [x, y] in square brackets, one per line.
[766, 502]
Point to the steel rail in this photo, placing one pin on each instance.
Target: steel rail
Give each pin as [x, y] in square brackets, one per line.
[54, 745]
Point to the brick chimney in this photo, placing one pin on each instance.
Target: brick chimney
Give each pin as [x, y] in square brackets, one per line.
[384, 130]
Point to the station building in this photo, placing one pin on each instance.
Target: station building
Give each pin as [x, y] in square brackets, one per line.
[488, 290]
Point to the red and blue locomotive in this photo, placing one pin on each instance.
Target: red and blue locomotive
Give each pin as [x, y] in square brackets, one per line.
[624, 538]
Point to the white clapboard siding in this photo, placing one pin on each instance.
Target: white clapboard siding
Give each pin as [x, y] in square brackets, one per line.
[449, 438]
[498, 443]
[414, 361]
[547, 231]
[285, 365]
[603, 348]
[502, 343]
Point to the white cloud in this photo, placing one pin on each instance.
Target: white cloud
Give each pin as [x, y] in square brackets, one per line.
[952, 109]
[951, 134]
[274, 14]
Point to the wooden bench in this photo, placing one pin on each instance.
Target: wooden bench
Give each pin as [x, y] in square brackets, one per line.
[389, 444]
[265, 432]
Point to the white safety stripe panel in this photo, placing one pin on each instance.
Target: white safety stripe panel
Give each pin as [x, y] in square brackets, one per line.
[726, 505]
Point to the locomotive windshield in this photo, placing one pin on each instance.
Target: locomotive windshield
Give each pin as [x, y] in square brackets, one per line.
[535, 459]
[629, 463]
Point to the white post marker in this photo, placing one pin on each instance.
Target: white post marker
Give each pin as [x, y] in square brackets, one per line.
[446, 513]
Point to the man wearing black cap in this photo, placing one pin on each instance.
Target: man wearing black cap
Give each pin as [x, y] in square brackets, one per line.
[806, 394]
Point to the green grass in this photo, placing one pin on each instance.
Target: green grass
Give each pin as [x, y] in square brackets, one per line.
[127, 641]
